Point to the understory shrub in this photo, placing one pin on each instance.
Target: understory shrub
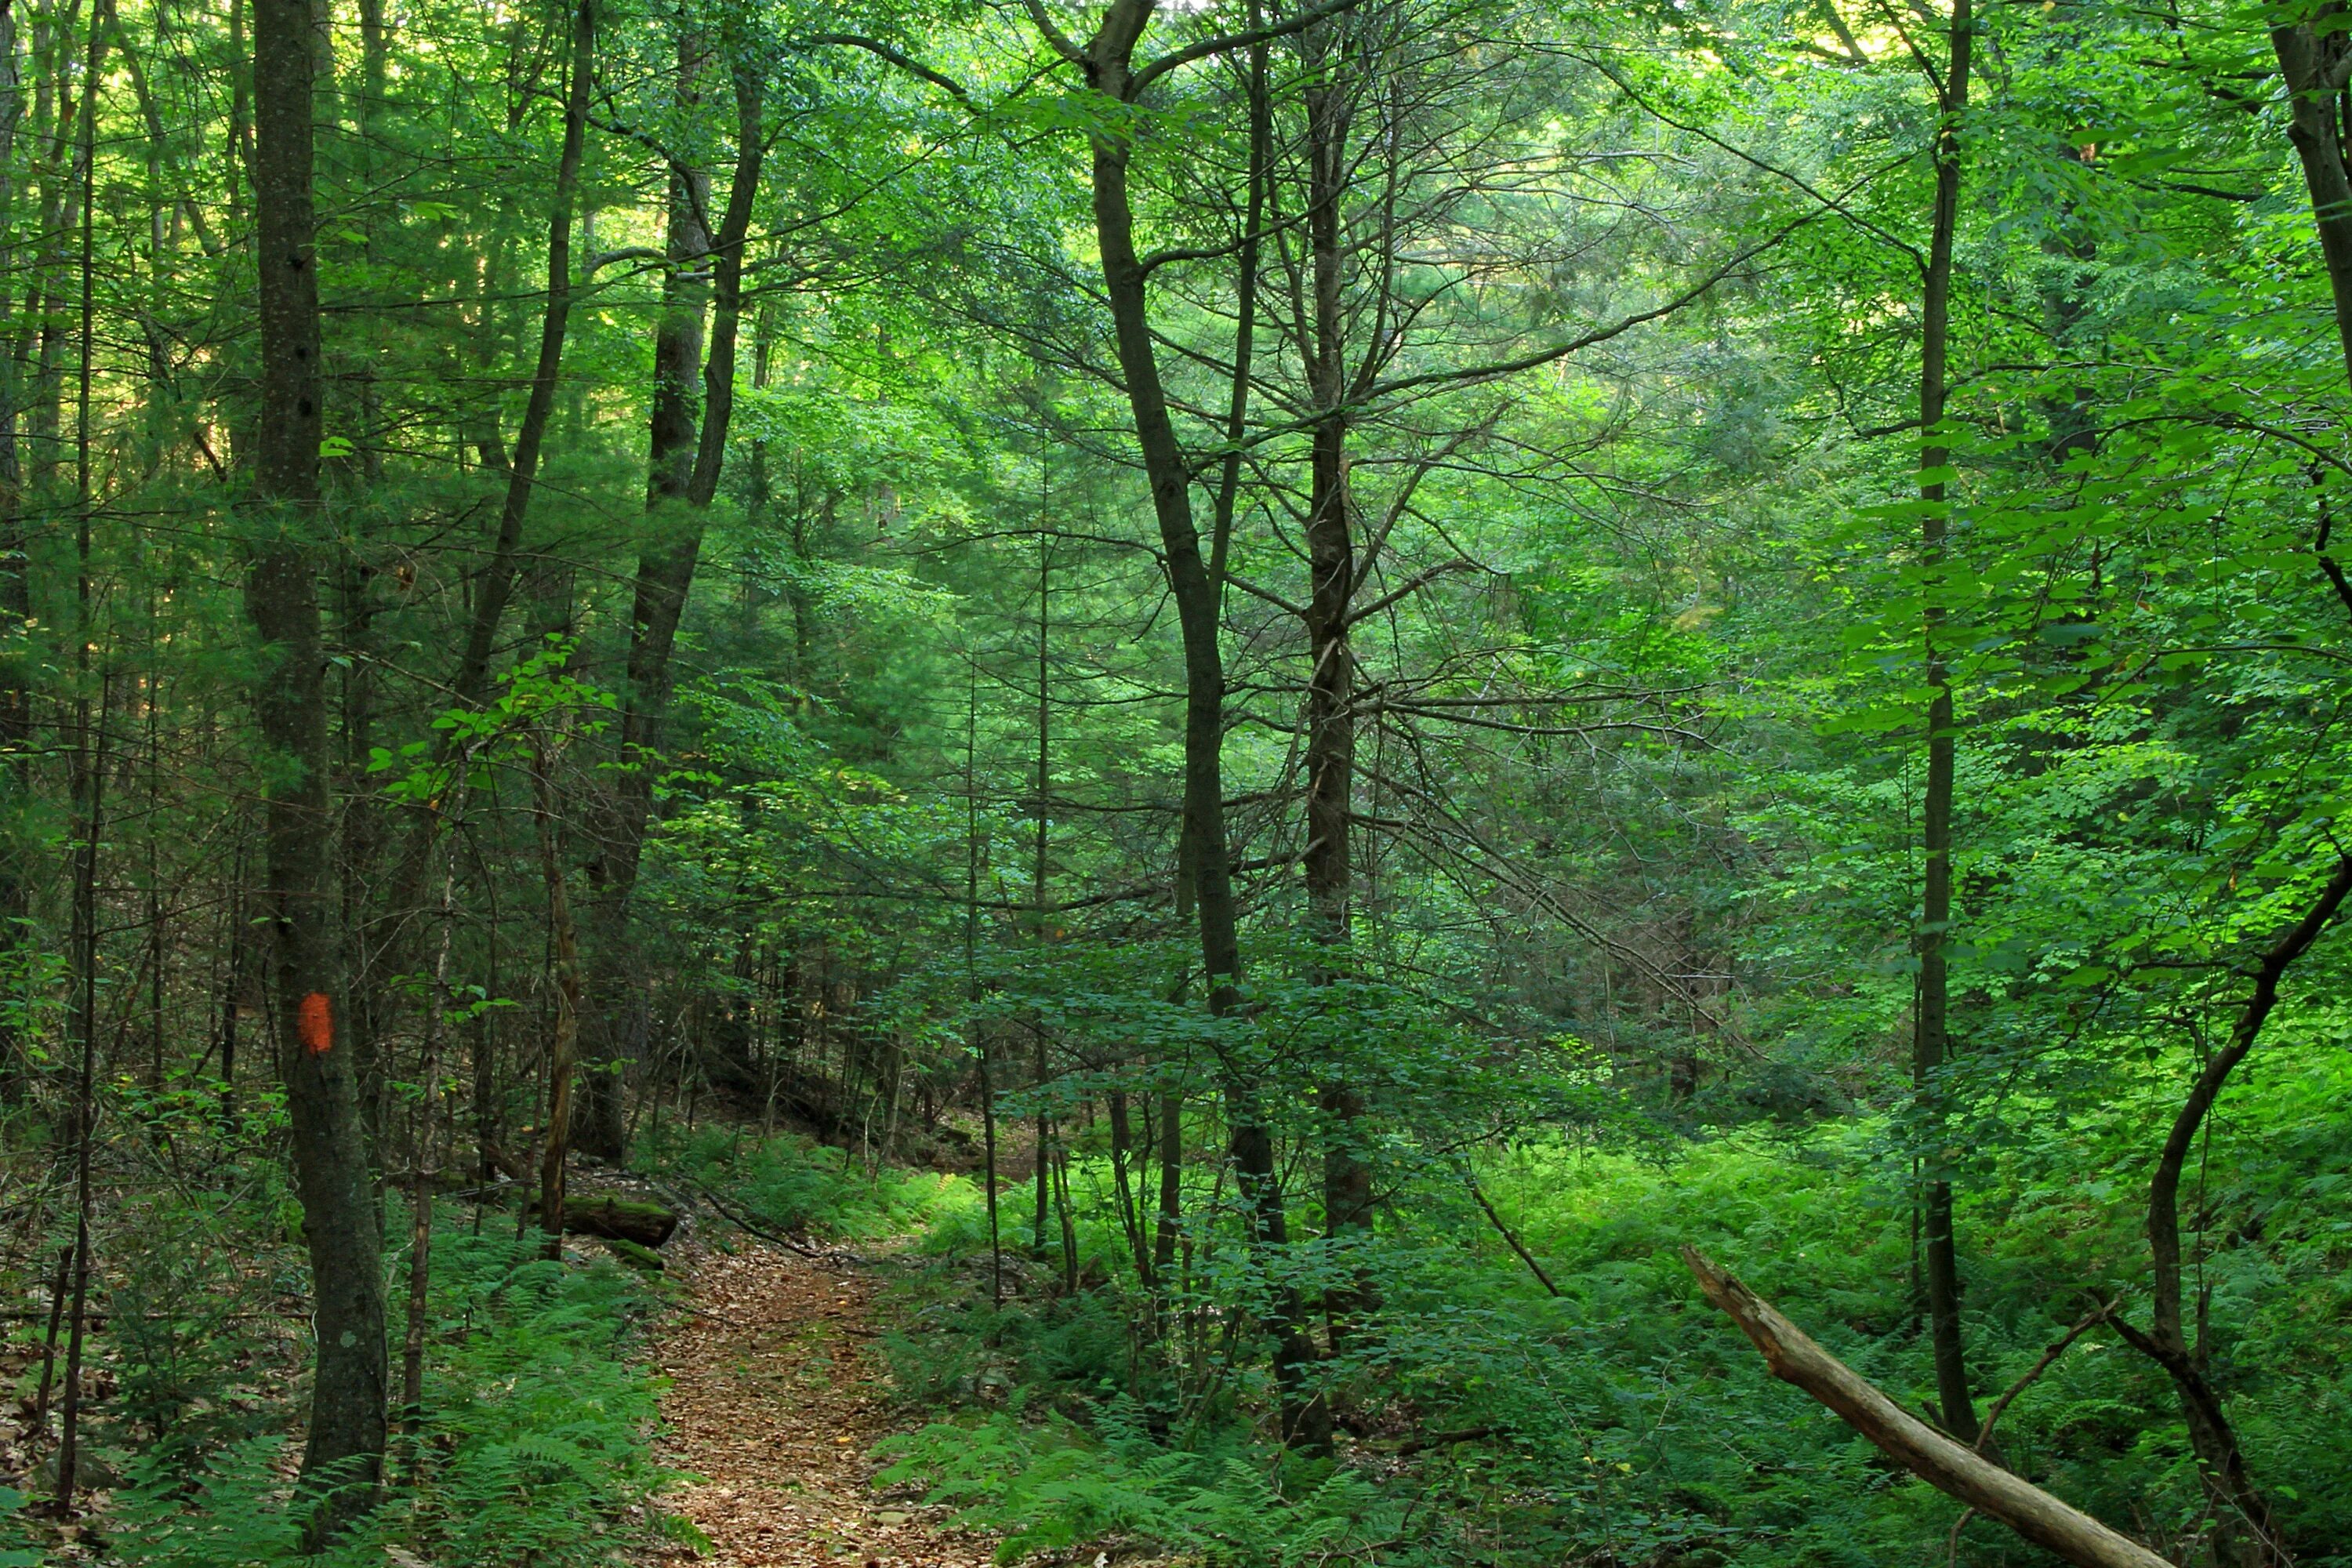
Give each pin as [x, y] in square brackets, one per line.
[1051, 1486]
[797, 1185]
[534, 1448]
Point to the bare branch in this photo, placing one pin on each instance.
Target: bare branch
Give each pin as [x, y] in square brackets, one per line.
[1950, 1467]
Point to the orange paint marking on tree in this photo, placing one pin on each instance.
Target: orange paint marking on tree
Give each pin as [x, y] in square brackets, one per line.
[314, 1023]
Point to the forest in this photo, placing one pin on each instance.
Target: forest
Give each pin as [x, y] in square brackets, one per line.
[1251, 784]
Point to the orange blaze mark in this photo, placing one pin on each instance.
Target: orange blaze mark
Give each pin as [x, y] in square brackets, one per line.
[315, 1022]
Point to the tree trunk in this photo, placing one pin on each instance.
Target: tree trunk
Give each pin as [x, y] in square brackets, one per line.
[420, 1193]
[1327, 859]
[343, 1455]
[1931, 1038]
[16, 866]
[2316, 66]
[2245, 1533]
[1172, 1184]
[1130, 1219]
[563, 1049]
[1108, 58]
[90, 768]
[494, 589]
[683, 470]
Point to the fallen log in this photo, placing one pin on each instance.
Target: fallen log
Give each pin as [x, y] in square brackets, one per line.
[1950, 1467]
[616, 1218]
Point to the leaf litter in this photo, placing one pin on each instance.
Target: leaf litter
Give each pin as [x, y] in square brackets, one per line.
[774, 1402]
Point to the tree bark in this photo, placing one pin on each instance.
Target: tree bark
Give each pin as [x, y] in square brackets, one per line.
[2316, 66]
[90, 768]
[1172, 1184]
[343, 1453]
[1931, 1032]
[494, 589]
[17, 865]
[562, 1051]
[1327, 859]
[1951, 1468]
[1108, 59]
[683, 471]
[2246, 1532]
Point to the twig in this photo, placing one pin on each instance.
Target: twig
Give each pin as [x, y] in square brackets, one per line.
[2049, 1357]
[1506, 1233]
[744, 1221]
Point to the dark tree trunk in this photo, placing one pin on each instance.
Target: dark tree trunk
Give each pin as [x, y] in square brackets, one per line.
[1931, 1036]
[1171, 1185]
[1327, 859]
[2316, 65]
[343, 1454]
[16, 603]
[562, 1050]
[2245, 1533]
[90, 770]
[1130, 1219]
[1108, 61]
[494, 588]
[683, 470]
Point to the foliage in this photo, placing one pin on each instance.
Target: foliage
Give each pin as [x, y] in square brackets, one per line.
[1052, 1487]
[532, 1450]
[796, 1186]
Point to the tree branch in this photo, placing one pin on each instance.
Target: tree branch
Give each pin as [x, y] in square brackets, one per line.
[1951, 1468]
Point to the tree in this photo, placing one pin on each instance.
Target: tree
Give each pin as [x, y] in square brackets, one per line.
[342, 1454]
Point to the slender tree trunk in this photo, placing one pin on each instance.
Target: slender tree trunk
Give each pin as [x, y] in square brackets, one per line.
[343, 1455]
[15, 606]
[972, 975]
[1041, 850]
[1130, 1219]
[1931, 1037]
[1069, 1228]
[2315, 65]
[494, 588]
[91, 766]
[1045, 1142]
[2245, 1531]
[683, 474]
[233, 990]
[564, 1049]
[1172, 1184]
[1329, 857]
[59, 1283]
[1109, 62]
[420, 1193]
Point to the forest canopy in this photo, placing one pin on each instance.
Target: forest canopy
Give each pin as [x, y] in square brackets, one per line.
[1408, 684]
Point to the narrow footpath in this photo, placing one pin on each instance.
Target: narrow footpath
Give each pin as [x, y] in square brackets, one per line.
[775, 1398]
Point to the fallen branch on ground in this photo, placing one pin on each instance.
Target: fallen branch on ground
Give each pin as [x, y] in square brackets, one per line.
[744, 1221]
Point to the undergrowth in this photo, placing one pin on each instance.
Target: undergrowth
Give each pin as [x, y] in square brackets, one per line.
[796, 1184]
[1621, 1420]
[1050, 1486]
[533, 1447]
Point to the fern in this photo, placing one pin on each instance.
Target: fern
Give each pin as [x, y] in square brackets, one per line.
[1051, 1488]
[533, 1449]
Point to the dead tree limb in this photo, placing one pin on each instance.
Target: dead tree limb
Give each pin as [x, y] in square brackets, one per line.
[1950, 1466]
[1507, 1234]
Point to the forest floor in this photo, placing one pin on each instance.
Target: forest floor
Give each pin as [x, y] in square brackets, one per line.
[775, 1398]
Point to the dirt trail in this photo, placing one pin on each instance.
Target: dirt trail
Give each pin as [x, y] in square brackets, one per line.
[775, 1396]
